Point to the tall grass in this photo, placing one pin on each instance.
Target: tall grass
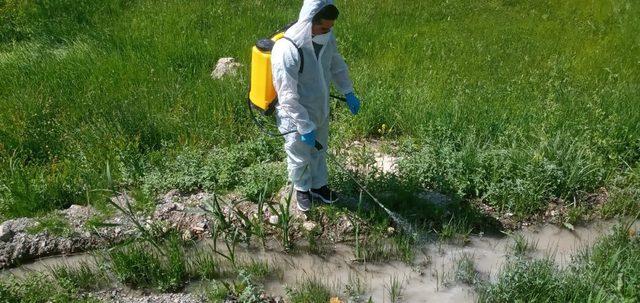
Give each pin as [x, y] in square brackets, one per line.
[142, 266]
[510, 101]
[85, 276]
[607, 272]
[38, 287]
[310, 289]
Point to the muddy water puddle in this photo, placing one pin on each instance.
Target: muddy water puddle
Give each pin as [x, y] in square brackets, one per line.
[429, 279]
[44, 264]
[431, 276]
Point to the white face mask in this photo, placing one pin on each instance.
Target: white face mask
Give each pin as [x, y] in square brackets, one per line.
[322, 39]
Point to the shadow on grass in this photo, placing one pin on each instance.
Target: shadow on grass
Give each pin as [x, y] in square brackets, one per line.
[427, 211]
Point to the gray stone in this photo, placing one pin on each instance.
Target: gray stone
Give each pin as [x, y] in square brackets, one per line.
[171, 196]
[309, 225]
[6, 233]
[163, 209]
[199, 227]
[225, 66]
[435, 198]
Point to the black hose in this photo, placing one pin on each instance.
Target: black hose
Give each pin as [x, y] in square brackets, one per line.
[261, 126]
[264, 130]
[338, 98]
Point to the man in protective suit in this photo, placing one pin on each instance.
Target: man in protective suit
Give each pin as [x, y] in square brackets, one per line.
[304, 63]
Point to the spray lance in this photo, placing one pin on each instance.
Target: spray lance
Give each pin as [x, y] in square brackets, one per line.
[395, 217]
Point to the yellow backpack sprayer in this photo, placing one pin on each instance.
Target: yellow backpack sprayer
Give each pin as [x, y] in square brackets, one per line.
[262, 94]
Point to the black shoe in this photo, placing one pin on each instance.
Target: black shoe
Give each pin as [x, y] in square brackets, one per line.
[325, 194]
[303, 199]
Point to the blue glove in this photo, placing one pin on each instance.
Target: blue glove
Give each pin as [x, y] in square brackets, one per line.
[353, 102]
[309, 139]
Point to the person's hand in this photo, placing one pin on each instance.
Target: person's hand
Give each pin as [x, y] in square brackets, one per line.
[353, 102]
[309, 138]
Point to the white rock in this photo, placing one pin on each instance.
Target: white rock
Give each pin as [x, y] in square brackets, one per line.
[386, 163]
[187, 235]
[309, 226]
[225, 66]
[273, 219]
[199, 227]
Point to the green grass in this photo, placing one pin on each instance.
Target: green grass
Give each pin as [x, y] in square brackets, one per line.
[53, 223]
[452, 220]
[521, 245]
[625, 195]
[215, 292]
[37, 288]
[511, 102]
[83, 276]
[394, 289]
[142, 266]
[465, 270]
[374, 244]
[165, 268]
[607, 272]
[204, 265]
[355, 288]
[309, 290]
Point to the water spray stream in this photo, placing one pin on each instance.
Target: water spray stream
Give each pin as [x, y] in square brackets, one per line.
[399, 220]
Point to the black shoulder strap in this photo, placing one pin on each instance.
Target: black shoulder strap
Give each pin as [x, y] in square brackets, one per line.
[299, 53]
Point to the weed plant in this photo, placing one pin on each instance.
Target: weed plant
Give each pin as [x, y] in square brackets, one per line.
[247, 290]
[204, 265]
[378, 247]
[309, 290]
[394, 289]
[455, 231]
[521, 245]
[40, 288]
[282, 210]
[258, 270]
[138, 266]
[215, 292]
[355, 288]
[84, 276]
[465, 270]
[53, 223]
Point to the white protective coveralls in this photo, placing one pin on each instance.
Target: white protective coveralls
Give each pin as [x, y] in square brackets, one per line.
[303, 98]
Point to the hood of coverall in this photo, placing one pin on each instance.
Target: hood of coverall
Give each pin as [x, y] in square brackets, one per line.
[300, 32]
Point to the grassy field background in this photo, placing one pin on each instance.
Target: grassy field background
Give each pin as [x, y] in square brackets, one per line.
[513, 102]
